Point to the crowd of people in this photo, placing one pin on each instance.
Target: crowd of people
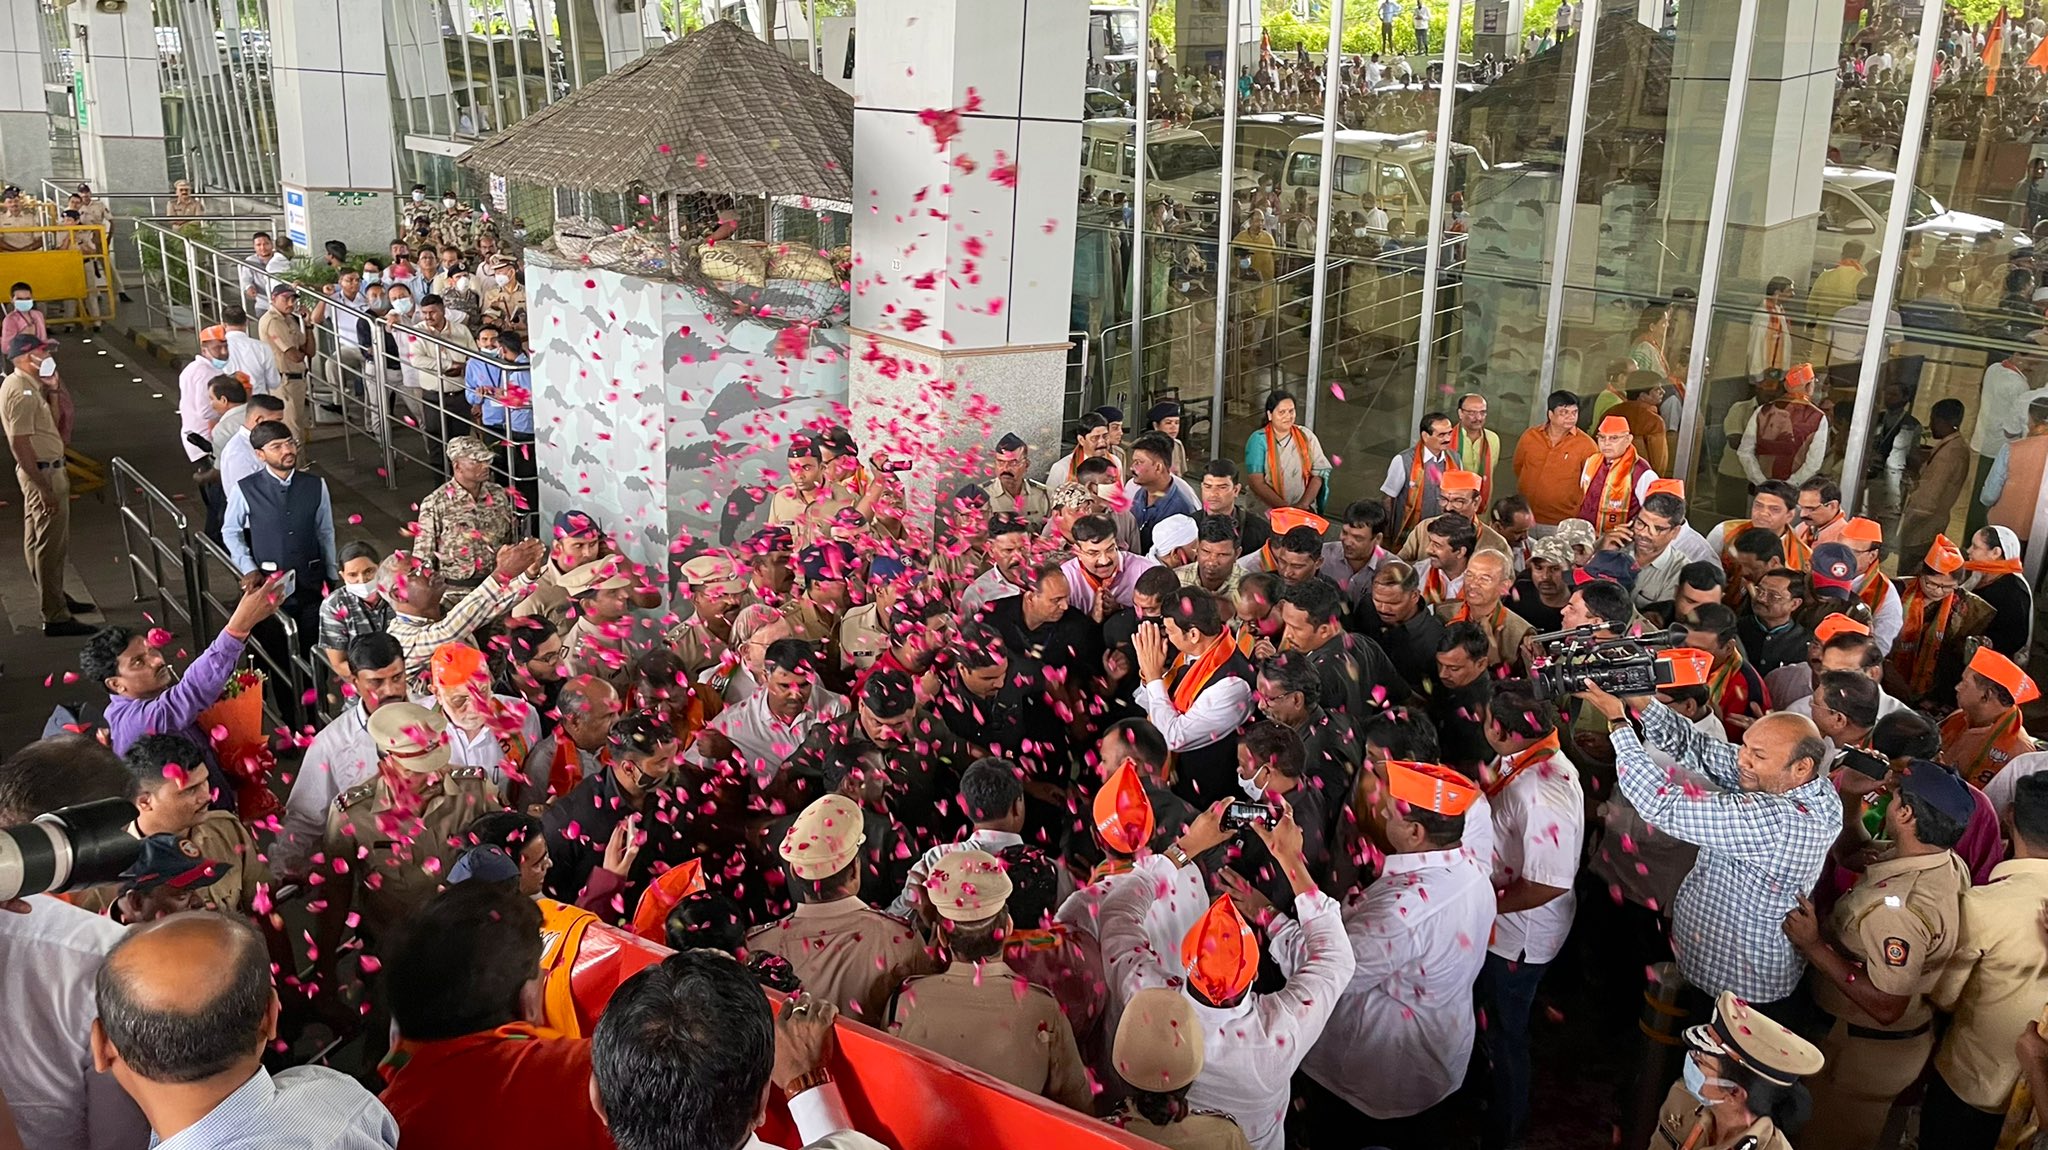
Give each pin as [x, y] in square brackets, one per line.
[1152, 786]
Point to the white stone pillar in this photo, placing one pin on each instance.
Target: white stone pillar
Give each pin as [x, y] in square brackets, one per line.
[334, 126]
[24, 107]
[122, 144]
[1774, 202]
[1496, 27]
[964, 249]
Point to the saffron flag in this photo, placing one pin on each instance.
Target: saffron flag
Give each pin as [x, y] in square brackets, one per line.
[1994, 52]
[2039, 58]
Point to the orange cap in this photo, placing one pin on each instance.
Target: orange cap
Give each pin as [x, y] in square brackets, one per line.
[1944, 556]
[1799, 377]
[1460, 481]
[1123, 815]
[1667, 487]
[1221, 953]
[218, 333]
[1285, 519]
[2005, 673]
[1431, 787]
[1614, 425]
[457, 665]
[1839, 624]
[650, 917]
[1861, 530]
[1690, 666]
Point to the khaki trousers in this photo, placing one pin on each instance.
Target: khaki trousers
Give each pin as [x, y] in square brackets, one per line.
[1854, 1093]
[46, 537]
[293, 392]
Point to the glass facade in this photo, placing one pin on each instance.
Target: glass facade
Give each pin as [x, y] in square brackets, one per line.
[1877, 160]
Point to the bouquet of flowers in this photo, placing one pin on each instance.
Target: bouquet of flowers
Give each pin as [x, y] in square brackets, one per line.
[234, 725]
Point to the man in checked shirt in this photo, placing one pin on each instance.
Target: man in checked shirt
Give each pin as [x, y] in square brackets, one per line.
[1763, 827]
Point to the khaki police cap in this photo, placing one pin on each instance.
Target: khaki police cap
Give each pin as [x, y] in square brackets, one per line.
[1158, 1044]
[968, 886]
[412, 736]
[823, 839]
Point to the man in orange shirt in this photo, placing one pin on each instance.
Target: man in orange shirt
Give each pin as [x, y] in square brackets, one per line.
[1986, 731]
[1653, 442]
[471, 1067]
[1550, 458]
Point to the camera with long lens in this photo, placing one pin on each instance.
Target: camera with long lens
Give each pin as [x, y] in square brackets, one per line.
[78, 846]
[1623, 666]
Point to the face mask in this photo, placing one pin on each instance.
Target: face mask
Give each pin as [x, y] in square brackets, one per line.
[419, 197]
[1359, 232]
[402, 306]
[24, 305]
[501, 281]
[1696, 1083]
[1251, 786]
[448, 202]
[363, 591]
[48, 368]
[218, 364]
[1245, 262]
[379, 305]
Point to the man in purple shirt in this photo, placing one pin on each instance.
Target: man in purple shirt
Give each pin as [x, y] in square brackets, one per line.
[149, 698]
[1102, 576]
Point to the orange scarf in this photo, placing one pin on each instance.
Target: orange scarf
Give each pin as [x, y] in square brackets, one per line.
[1798, 552]
[1774, 338]
[1919, 647]
[1273, 458]
[1074, 462]
[1435, 588]
[567, 768]
[1536, 752]
[1616, 495]
[1458, 442]
[1100, 586]
[1418, 491]
[1873, 591]
[1999, 730]
[1717, 683]
[1187, 680]
[1994, 568]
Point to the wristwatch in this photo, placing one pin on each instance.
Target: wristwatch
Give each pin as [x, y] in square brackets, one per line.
[1177, 856]
[808, 1080]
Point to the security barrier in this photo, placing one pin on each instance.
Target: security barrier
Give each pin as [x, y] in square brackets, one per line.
[194, 584]
[61, 264]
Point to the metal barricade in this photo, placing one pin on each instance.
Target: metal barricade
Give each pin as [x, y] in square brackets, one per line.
[154, 534]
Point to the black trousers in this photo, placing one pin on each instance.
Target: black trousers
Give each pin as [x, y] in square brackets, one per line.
[1961, 1125]
[1320, 1120]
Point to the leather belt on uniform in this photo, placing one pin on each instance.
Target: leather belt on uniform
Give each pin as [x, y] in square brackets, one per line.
[1876, 1035]
[47, 464]
[295, 375]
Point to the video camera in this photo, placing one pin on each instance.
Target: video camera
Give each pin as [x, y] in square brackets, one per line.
[78, 846]
[1624, 666]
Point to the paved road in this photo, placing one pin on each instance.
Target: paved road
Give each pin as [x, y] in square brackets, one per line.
[127, 407]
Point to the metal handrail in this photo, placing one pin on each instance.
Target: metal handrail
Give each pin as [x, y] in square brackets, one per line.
[157, 551]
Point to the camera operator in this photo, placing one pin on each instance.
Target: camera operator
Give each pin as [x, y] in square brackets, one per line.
[1764, 828]
[50, 953]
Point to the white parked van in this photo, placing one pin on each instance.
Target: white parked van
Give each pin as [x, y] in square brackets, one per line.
[1180, 163]
[1394, 168]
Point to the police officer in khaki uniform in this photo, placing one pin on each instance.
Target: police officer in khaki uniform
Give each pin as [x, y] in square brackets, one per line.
[842, 949]
[717, 590]
[863, 635]
[172, 789]
[1158, 1051]
[1881, 954]
[601, 640]
[977, 1011]
[395, 867]
[816, 614]
[1741, 1084]
[28, 419]
[578, 539]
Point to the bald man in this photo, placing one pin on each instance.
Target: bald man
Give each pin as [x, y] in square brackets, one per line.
[1763, 826]
[186, 1009]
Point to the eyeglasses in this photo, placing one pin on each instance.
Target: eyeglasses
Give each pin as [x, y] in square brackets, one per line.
[1766, 595]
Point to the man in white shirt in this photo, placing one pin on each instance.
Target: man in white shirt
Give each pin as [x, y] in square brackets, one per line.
[1539, 823]
[254, 275]
[195, 397]
[2002, 407]
[1253, 1042]
[761, 732]
[992, 796]
[187, 1010]
[342, 755]
[238, 460]
[247, 357]
[488, 731]
[50, 955]
[1415, 935]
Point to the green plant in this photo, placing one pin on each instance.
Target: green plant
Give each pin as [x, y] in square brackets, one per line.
[167, 265]
[309, 272]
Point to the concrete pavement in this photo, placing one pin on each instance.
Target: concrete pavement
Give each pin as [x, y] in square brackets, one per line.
[127, 407]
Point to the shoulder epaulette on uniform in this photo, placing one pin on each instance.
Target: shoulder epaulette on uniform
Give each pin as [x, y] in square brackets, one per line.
[468, 773]
[355, 794]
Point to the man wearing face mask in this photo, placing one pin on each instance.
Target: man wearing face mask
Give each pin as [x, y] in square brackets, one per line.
[195, 409]
[504, 298]
[644, 751]
[28, 415]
